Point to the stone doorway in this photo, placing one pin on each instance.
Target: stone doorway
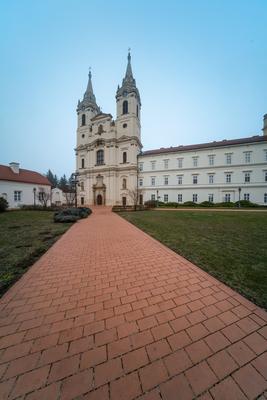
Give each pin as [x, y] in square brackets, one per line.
[99, 200]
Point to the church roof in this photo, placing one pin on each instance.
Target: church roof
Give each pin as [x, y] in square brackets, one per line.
[23, 176]
[101, 115]
[128, 82]
[221, 143]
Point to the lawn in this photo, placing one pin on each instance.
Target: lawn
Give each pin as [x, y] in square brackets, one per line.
[232, 246]
[24, 237]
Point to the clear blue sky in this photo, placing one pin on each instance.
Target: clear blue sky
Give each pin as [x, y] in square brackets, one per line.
[200, 67]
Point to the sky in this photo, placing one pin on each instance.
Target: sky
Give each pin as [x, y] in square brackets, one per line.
[200, 67]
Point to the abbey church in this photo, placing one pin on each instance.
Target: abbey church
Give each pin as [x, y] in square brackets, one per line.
[113, 170]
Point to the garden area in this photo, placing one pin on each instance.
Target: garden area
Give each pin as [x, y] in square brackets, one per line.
[231, 246]
[24, 237]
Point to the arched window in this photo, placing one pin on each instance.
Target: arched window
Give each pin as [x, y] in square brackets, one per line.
[83, 119]
[100, 157]
[82, 163]
[125, 107]
[124, 183]
[124, 157]
[137, 111]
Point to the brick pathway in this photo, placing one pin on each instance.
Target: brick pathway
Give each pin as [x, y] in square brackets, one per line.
[109, 313]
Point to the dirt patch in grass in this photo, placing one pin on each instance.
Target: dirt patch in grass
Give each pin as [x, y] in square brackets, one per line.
[231, 246]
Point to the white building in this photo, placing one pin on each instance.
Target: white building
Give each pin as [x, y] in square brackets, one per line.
[111, 165]
[23, 187]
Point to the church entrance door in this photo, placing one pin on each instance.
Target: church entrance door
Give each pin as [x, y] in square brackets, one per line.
[99, 200]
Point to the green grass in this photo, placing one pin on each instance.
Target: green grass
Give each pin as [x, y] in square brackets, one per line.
[232, 246]
[24, 237]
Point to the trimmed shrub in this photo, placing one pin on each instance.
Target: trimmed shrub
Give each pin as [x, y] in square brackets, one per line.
[3, 204]
[37, 207]
[245, 203]
[150, 203]
[172, 204]
[206, 204]
[72, 214]
[227, 204]
[189, 204]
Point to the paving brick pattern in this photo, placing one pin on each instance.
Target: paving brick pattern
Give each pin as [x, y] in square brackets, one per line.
[110, 313]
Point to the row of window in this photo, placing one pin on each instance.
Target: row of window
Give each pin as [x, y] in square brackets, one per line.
[195, 179]
[211, 160]
[17, 195]
[227, 197]
[100, 158]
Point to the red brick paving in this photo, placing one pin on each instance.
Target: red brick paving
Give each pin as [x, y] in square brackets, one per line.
[110, 313]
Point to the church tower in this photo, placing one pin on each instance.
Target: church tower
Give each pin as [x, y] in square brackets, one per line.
[107, 149]
[128, 104]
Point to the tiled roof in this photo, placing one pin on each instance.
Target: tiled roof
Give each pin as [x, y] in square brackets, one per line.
[221, 143]
[24, 175]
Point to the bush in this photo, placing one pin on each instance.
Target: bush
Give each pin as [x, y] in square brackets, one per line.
[37, 207]
[72, 214]
[189, 204]
[245, 203]
[227, 204]
[3, 204]
[206, 204]
[172, 204]
[150, 203]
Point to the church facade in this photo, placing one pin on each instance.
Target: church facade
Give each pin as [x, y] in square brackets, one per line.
[113, 170]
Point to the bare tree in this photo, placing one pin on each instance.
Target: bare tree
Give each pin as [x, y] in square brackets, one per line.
[134, 195]
[70, 198]
[44, 197]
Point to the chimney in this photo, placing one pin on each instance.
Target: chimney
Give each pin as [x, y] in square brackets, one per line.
[265, 125]
[15, 167]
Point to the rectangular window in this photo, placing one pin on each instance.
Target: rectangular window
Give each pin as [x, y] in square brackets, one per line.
[153, 197]
[227, 197]
[180, 163]
[195, 161]
[166, 180]
[166, 164]
[247, 157]
[247, 177]
[141, 166]
[211, 198]
[180, 179]
[246, 196]
[194, 179]
[211, 178]
[195, 198]
[211, 159]
[265, 155]
[153, 181]
[228, 158]
[82, 186]
[17, 195]
[82, 165]
[82, 201]
[265, 175]
[228, 178]
[166, 198]
[153, 165]
[180, 198]
[140, 181]
[265, 198]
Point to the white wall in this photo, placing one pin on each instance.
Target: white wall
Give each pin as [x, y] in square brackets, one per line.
[7, 189]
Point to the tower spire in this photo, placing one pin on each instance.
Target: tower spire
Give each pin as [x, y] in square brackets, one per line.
[128, 82]
[129, 73]
[89, 99]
